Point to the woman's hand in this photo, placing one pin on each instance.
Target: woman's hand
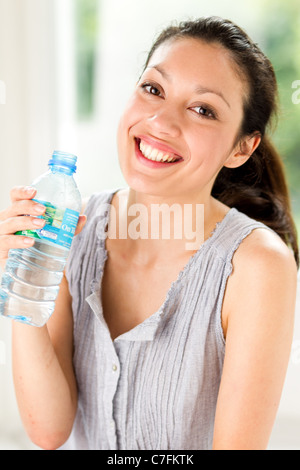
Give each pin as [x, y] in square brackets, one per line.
[13, 219]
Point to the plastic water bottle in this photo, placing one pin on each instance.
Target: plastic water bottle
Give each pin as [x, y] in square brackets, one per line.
[32, 276]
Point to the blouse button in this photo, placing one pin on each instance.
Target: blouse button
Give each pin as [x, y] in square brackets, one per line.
[114, 367]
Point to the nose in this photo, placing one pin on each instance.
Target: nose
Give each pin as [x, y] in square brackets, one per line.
[165, 121]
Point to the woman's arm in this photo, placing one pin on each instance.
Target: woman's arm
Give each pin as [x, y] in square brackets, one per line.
[258, 318]
[42, 357]
[43, 375]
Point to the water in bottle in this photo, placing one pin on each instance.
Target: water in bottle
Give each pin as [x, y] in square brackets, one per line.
[32, 276]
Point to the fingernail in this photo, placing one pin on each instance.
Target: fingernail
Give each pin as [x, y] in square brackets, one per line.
[28, 241]
[29, 190]
[39, 222]
[39, 208]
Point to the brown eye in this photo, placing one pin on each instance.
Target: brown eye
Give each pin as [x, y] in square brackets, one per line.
[204, 111]
[151, 89]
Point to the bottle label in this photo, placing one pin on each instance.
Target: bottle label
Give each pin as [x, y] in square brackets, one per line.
[59, 228]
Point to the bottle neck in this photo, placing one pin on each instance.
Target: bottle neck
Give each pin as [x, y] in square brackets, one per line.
[61, 169]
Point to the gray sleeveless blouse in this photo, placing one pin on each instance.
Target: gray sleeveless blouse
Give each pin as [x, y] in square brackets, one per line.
[155, 386]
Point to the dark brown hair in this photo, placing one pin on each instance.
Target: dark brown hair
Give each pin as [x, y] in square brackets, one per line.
[258, 187]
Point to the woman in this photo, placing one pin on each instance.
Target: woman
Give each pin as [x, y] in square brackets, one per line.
[153, 345]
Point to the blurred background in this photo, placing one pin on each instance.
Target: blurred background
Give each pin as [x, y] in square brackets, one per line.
[67, 68]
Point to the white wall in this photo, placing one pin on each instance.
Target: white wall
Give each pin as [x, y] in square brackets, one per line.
[27, 130]
[27, 120]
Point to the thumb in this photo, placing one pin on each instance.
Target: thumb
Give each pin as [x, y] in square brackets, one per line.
[81, 223]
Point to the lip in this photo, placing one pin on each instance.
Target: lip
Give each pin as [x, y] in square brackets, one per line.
[159, 146]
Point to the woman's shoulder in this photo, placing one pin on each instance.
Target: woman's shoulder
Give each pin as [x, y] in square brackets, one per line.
[253, 242]
[264, 251]
[257, 253]
[264, 275]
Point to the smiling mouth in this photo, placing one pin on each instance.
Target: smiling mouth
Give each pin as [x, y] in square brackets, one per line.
[156, 155]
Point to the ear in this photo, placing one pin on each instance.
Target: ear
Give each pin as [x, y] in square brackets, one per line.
[243, 151]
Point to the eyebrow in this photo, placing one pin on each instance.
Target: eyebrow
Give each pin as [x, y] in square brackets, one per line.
[199, 90]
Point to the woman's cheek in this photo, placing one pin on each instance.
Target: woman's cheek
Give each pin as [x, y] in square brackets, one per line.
[133, 112]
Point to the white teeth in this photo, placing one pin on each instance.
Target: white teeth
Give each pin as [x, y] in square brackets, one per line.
[154, 154]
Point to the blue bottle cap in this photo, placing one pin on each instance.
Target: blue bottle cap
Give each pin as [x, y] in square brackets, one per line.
[64, 159]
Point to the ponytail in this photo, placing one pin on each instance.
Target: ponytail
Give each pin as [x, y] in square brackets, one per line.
[259, 189]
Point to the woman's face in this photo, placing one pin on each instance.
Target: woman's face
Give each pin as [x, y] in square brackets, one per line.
[182, 121]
